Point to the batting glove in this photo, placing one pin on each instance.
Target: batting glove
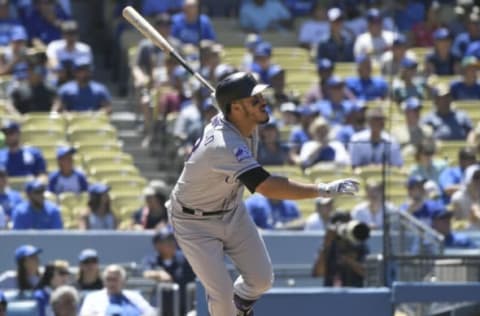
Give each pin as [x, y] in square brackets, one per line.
[339, 187]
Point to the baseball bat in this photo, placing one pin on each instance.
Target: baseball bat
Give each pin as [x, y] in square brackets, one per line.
[142, 25]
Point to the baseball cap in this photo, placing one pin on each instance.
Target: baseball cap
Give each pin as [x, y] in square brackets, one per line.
[69, 26]
[415, 180]
[334, 14]
[470, 172]
[82, 62]
[440, 212]
[335, 81]
[307, 110]
[441, 90]
[399, 39]
[375, 112]
[374, 15]
[148, 191]
[272, 123]
[441, 34]
[35, 185]
[324, 64]
[62, 151]
[411, 103]
[160, 187]
[469, 61]
[163, 234]
[252, 40]
[263, 49]
[26, 251]
[288, 107]
[237, 86]
[18, 34]
[408, 63]
[98, 188]
[86, 254]
[9, 125]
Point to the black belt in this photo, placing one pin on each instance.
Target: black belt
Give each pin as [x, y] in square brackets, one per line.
[201, 213]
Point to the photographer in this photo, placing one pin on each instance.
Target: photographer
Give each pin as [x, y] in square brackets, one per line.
[340, 261]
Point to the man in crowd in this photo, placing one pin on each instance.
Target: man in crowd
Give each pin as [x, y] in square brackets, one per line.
[64, 301]
[67, 178]
[8, 198]
[36, 212]
[468, 87]
[271, 214]
[451, 178]
[20, 160]
[442, 223]
[338, 47]
[190, 26]
[365, 86]
[260, 15]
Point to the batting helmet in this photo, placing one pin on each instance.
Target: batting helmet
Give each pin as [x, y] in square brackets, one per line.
[236, 86]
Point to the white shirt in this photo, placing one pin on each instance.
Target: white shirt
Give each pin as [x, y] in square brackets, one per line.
[364, 214]
[374, 46]
[387, 65]
[314, 222]
[314, 32]
[96, 303]
[309, 152]
[57, 51]
[3, 218]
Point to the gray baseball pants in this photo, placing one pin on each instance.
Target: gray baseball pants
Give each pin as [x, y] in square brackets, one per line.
[206, 239]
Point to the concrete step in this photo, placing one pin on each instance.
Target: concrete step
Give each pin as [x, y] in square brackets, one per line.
[124, 120]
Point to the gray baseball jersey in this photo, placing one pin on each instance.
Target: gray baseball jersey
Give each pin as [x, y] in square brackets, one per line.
[209, 181]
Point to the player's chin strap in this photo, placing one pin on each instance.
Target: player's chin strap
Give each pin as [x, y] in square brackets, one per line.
[244, 307]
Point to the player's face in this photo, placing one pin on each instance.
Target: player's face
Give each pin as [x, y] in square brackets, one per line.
[255, 109]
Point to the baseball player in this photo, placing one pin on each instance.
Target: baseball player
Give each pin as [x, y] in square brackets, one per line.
[206, 208]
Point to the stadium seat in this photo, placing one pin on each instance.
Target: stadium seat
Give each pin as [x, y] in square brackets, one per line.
[126, 202]
[34, 136]
[108, 171]
[18, 183]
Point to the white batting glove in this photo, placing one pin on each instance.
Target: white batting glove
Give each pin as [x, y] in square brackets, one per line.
[339, 187]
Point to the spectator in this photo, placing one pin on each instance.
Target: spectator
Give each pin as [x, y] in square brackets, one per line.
[334, 108]
[114, 298]
[190, 26]
[466, 201]
[28, 274]
[452, 177]
[418, 204]
[34, 94]
[153, 214]
[272, 214]
[426, 165]
[55, 275]
[64, 301]
[313, 30]
[422, 32]
[472, 34]
[318, 91]
[9, 198]
[320, 149]
[376, 40]
[168, 264]
[36, 212]
[262, 65]
[447, 123]
[154, 7]
[408, 84]
[414, 133]
[67, 178]
[371, 210]
[300, 8]
[83, 94]
[320, 218]
[3, 304]
[391, 60]
[7, 23]
[365, 86]
[299, 134]
[45, 21]
[338, 46]
[188, 125]
[374, 146]
[442, 223]
[14, 57]
[261, 15]
[89, 271]
[251, 41]
[99, 214]
[271, 151]
[63, 52]
[354, 123]
[467, 88]
[289, 113]
[441, 60]
[208, 110]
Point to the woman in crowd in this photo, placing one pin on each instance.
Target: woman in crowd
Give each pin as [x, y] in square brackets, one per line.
[89, 272]
[99, 213]
[56, 274]
[28, 263]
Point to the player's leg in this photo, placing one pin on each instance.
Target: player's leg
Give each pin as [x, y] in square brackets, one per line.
[247, 250]
[205, 254]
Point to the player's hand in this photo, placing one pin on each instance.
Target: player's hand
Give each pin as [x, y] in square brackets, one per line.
[339, 187]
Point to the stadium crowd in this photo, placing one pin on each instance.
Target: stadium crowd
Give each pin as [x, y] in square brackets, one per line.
[414, 113]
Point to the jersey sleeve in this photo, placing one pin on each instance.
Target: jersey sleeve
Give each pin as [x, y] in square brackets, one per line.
[234, 159]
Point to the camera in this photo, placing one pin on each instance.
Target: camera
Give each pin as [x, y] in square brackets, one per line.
[352, 231]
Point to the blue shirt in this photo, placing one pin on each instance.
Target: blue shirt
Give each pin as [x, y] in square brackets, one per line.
[153, 7]
[423, 213]
[76, 182]
[268, 214]
[336, 51]
[461, 44]
[334, 113]
[38, 27]
[6, 27]
[88, 98]
[192, 33]
[461, 91]
[454, 126]
[298, 136]
[458, 240]
[412, 14]
[345, 133]
[26, 217]
[120, 305]
[24, 162]
[42, 296]
[451, 176]
[442, 67]
[367, 89]
[9, 199]
[300, 7]
[259, 18]
[266, 75]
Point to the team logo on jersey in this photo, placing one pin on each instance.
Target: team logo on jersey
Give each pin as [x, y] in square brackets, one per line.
[242, 153]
